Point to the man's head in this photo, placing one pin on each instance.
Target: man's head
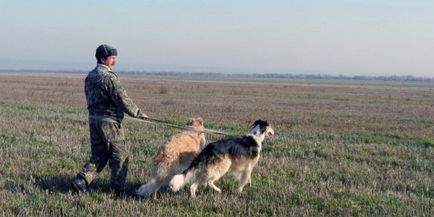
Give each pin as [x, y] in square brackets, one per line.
[106, 54]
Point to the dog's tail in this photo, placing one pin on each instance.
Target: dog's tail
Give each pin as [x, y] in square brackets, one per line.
[180, 180]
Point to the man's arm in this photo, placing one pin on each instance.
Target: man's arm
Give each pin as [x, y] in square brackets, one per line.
[120, 98]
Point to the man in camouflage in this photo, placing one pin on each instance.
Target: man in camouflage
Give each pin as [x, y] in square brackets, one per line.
[107, 101]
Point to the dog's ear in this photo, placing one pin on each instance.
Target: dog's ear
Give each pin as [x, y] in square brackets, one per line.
[260, 122]
[255, 123]
[199, 120]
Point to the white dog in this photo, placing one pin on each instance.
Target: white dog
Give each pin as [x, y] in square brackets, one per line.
[238, 155]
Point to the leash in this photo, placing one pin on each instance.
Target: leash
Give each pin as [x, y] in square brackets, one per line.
[169, 124]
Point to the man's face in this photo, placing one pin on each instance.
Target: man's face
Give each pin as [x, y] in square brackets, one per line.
[109, 61]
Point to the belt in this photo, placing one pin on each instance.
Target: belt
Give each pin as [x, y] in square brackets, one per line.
[104, 118]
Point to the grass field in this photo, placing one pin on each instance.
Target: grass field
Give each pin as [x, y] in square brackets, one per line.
[340, 149]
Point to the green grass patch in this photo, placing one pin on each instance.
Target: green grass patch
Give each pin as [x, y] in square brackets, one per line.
[300, 172]
[387, 138]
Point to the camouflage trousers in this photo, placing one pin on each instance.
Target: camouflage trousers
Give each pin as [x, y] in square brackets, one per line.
[107, 145]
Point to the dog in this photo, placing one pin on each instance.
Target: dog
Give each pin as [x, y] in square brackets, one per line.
[175, 156]
[238, 155]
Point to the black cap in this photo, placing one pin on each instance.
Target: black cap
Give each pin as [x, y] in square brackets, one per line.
[105, 51]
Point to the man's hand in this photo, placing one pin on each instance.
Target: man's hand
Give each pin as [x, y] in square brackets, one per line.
[143, 116]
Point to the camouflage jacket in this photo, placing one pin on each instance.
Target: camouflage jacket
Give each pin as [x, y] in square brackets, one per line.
[105, 95]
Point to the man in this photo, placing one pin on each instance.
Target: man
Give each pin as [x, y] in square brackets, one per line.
[107, 101]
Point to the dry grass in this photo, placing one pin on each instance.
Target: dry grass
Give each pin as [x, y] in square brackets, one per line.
[341, 149]
[403, 108]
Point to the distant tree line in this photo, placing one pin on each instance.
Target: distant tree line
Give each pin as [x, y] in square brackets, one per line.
[392, 78]
[395, 78]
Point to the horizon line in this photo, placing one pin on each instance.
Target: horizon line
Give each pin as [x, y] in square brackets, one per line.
[276, 75]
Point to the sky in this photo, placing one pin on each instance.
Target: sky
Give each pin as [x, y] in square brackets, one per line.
[333, 37]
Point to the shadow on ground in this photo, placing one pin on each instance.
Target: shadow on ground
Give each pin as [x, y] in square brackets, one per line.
[62, 184]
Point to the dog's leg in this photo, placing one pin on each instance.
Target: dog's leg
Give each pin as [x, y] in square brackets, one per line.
[193, 189]
[251, 168]
[237, 175]
[211, 184]
[216, 172]
[216, 176]
[245, 178]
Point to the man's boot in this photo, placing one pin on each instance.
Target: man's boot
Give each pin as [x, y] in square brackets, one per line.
[80, 185]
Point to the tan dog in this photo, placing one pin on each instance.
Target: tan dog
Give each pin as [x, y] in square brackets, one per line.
[174, 157]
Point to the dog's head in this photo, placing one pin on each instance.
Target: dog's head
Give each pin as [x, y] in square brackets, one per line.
[195, 123]
[260, 127]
